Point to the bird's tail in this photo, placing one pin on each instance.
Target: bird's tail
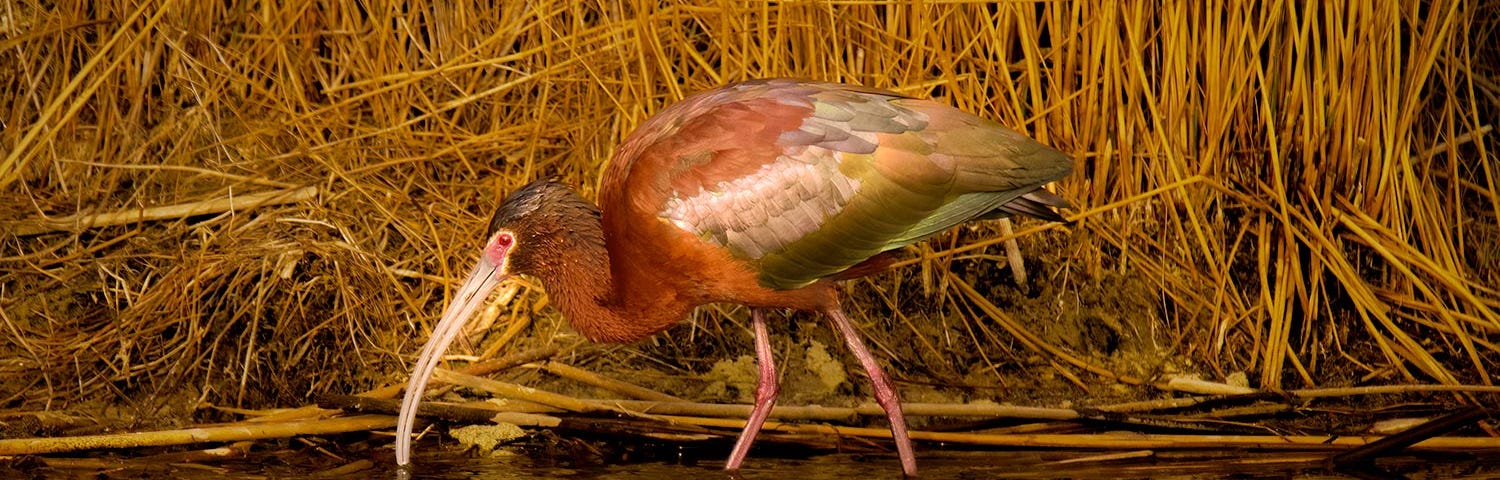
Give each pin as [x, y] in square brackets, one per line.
[1039, 203]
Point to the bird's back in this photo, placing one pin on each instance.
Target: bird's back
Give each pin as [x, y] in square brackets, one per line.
[800, 181]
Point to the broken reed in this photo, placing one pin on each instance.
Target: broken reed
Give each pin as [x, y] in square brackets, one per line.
[1310, 189]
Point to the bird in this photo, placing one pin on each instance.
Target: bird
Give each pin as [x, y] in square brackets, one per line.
[765, 193]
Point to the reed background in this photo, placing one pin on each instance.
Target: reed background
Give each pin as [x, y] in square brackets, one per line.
[1297, 194]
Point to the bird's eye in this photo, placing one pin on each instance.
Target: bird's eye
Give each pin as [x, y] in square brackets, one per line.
[504, 240]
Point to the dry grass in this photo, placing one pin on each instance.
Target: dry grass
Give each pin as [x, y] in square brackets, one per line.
[1302, 194]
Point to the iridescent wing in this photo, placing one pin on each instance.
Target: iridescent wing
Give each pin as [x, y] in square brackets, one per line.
[805, 180]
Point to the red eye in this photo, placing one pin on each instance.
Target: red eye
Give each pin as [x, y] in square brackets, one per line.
[504, 240]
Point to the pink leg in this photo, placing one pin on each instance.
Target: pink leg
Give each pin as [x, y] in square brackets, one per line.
[765, 392]
[885, 391]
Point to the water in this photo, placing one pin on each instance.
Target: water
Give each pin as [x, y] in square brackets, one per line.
[433, 462]
[438, 464]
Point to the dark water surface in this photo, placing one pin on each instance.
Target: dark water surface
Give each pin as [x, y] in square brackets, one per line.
[962, 465]
[451, 463]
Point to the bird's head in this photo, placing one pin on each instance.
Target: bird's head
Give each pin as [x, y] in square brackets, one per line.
[527, 233]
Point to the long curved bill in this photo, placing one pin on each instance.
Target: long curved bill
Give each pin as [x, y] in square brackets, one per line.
[485, 276]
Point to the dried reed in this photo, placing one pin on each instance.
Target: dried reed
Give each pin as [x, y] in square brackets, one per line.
[1304, 193]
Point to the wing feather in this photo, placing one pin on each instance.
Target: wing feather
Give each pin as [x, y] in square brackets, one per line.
[806, 180]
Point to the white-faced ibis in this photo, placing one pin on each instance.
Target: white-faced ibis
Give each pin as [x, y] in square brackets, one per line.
[762, 193]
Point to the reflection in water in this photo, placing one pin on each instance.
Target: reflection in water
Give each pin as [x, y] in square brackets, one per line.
[582, 461]
[435, 464]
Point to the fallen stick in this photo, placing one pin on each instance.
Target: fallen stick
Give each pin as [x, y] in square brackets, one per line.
[234, 450]
[1138, 441]
[462, 413]
[346, 470]
[1116, 441]
[1204, 387]
[621, 387]
[1389, 389]
[191, 436]
[485, 413]
[1013, 252]
[511, 390]
[1290, 396]
[79, 222]
[1108, 457]
[822, 413]
[1408, 438]
[483, 368]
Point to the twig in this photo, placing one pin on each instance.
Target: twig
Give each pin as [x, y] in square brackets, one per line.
[590, 378]
[366, 405]
[1109, 457]
[483, 368]
[1434, 428]
[1261, 409]
[1390, 389]
[189, 436]
[1114, 441]
[256, 180]
[489, 413]
[475, 414]
[1013, 252]
[346, 470]
[511, 390]
[277, 415]
[675, 431]
[828, 414]
[233, 450]
[1290, 396]
[1466, 137]
[1206, 425]
[80, 222]
[1152, 441]
[1204, 387]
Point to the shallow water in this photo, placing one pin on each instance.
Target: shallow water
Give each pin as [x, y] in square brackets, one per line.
[957, 465]
[451, 463]
[437, 463]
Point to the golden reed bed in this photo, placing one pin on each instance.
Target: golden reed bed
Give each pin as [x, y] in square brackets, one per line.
[252, 204]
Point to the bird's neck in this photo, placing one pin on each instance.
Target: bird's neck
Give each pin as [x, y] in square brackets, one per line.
[604, 298]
